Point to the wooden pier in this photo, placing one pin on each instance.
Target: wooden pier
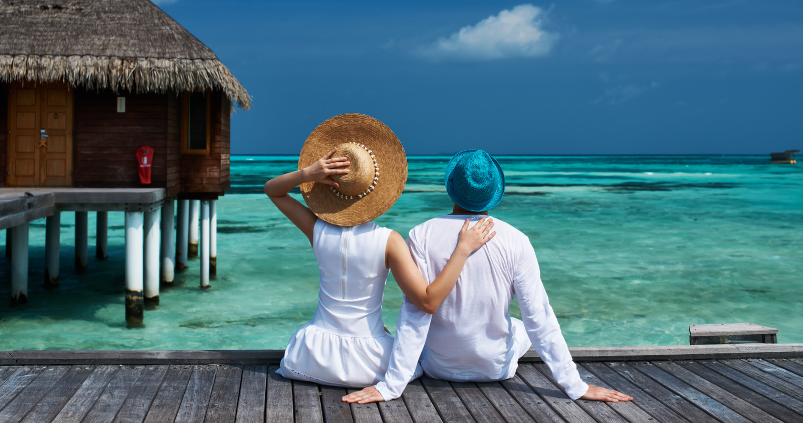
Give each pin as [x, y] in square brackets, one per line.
[152, 256]
[710, 383]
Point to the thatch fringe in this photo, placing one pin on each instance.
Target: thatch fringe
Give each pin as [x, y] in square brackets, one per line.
[126, 74]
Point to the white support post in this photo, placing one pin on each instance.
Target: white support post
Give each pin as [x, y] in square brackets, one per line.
[133, 268]
[81, 241]
[205, 244]
[168, 243]
[182, 234]
[19, 265]
[8, 242]
[152, 257]
[52, 241]
[194, 209]
[213, 237]
[102, 236]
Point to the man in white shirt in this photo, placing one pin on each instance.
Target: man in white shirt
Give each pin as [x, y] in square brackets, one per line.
[472, 337]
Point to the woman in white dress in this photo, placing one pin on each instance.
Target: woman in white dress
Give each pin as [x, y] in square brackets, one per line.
[346, 344]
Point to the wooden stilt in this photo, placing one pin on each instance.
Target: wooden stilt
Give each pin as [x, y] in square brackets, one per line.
[168, 243]
[8, 242]
[19, 265]
[81, 241]
[182, 234]
[133, 268]
[52, 241]
[213, 238]
[102, 236]
[194, 210]
[205, 244]
[152, 257]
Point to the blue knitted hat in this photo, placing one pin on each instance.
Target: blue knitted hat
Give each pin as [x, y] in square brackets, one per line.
[474, 180]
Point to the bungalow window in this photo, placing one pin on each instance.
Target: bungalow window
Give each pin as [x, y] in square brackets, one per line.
[196, 122]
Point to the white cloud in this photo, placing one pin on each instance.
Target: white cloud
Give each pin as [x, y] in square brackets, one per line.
[517, 32]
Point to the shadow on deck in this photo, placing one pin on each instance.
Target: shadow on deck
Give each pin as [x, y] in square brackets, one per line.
[696, 384]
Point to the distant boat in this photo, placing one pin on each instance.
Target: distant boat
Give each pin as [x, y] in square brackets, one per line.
[787, 157]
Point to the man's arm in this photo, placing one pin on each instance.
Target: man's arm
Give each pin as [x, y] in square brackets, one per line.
[544, 332]
[411, 335]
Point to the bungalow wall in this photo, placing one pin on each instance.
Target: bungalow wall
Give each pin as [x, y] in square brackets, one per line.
[208, 175]
[105, 141]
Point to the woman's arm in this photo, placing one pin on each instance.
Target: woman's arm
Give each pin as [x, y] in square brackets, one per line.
[320, 171]
[429, 297]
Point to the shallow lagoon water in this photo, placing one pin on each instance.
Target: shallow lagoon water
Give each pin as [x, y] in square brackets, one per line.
[632, 251]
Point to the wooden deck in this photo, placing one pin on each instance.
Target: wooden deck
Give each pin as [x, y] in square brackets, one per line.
[702, 390]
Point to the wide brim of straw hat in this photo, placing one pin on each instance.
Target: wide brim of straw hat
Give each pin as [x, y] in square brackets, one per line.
[390, 159]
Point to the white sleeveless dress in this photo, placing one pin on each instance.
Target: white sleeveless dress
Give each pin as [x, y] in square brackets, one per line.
[345, 344]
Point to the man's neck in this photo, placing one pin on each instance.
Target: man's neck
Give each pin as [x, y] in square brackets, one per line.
[457, 210]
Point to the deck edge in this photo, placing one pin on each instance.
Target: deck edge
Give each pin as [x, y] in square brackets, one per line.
[579, 354]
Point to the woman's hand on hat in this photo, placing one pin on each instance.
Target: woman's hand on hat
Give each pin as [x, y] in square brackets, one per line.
[323, 170]
[471, 239]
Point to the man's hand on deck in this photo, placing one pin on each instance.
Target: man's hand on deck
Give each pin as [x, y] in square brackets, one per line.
[596, 393]
[369, 394]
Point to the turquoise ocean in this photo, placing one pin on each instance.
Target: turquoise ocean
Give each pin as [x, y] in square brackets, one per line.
[632, 249]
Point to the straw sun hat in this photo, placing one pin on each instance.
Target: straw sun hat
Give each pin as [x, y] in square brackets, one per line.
[377, 173]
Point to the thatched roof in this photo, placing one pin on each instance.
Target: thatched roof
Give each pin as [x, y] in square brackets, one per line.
[123, 45]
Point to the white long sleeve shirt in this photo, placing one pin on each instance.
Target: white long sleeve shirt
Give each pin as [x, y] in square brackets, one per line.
[472, 336]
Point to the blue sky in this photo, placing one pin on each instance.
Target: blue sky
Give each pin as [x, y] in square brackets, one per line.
[573, 77]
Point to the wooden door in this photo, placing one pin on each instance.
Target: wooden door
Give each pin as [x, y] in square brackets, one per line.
[40, 121]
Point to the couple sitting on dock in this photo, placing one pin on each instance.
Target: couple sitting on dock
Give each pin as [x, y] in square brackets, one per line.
[458, 277]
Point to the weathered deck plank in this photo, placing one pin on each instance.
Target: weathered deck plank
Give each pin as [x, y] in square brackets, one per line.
[530, 401]
[760, 387]
[279, 404]
[31, 394]
[364, 413]
[113, 396]
[5, 373]
[507, 406]
[677, 403]
[480, 408]
[420, 406]
[717, 393]
[225, 392]
[780, 372]
[790, 365]
[765, 377]
[710, 405]
[771, 407]
[141, 396]
[446, 401]
[708, 390]
[196, 396]
[55, 399]
[395, 411]
[600, 411]
[642, 399]
[251, 406]
[16, 382]
[81, 402]
[306, 403]
[627, 409]
[168, 399]
[334, 409]
[554, 396]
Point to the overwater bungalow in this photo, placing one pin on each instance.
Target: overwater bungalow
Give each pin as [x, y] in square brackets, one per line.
[787, 157]
[110, 106]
